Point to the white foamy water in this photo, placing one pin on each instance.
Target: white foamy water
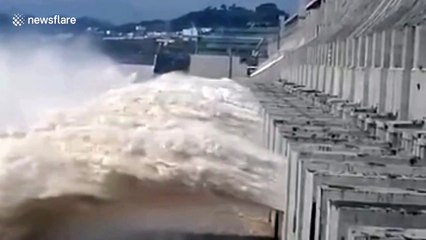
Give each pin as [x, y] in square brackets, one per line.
[202, 132]
[78, 119]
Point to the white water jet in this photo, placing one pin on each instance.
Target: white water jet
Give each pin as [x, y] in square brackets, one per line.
[196, 131]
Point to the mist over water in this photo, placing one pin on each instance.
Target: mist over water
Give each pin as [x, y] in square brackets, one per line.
[81, 122]
[36, 77]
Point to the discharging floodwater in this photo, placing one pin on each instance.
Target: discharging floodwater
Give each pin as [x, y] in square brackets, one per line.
[197, 140]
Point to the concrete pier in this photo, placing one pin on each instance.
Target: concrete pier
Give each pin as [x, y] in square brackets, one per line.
[367, 197]
[347, 115]
[363, 232]
[324, 151]
[341, 219]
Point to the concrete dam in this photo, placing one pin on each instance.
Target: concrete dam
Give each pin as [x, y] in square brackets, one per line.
[343, 103]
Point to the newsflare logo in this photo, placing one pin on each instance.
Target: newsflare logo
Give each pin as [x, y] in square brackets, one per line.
[19, 20]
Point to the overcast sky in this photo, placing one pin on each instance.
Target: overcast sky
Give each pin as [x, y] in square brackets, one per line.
[120, 11]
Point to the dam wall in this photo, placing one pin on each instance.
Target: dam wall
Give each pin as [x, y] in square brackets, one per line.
[217, 66]
[353, 49]
[344, 104]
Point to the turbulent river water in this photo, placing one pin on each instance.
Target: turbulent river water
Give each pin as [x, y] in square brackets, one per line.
[197, 132]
